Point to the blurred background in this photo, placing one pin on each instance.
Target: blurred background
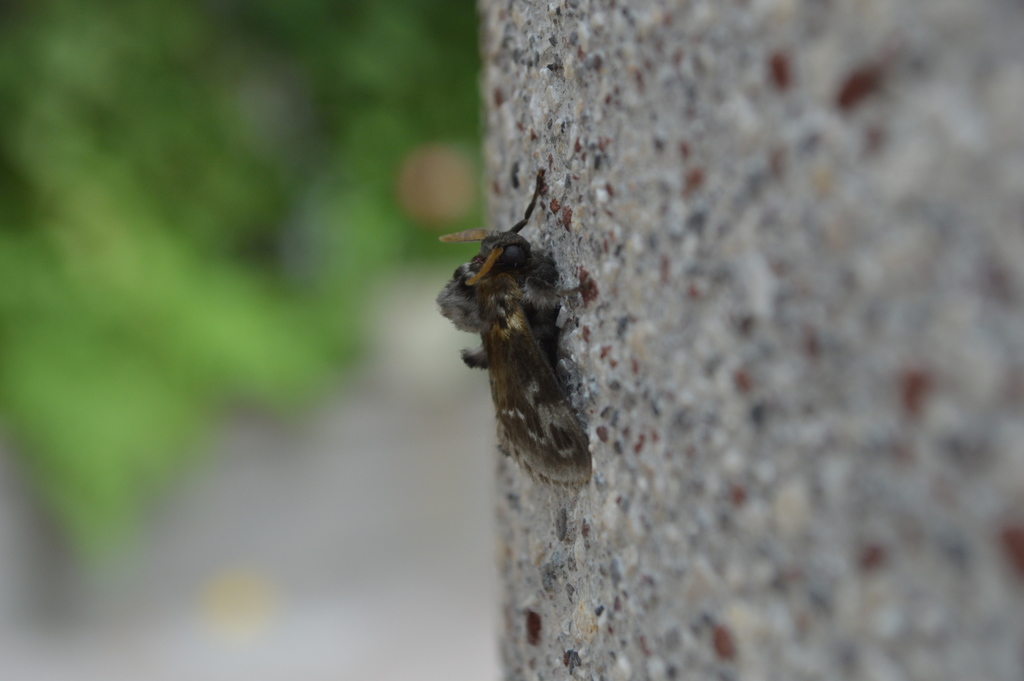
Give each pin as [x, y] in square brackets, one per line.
[236, 440]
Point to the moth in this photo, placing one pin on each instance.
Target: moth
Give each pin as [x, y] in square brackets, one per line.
[509, 294]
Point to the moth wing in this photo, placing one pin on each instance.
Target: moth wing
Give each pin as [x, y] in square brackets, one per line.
[535, 422]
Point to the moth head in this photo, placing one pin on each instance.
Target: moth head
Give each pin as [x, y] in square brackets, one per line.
[499, 251]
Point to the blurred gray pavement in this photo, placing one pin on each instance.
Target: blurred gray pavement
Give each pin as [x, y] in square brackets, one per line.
[353, 544]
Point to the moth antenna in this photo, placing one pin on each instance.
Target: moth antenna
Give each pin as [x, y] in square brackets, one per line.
[477, 234]
[533, 202]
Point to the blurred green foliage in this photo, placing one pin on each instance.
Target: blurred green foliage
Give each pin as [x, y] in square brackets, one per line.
[195, 198]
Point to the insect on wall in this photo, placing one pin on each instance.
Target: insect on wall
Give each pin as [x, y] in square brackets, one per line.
[508, 293]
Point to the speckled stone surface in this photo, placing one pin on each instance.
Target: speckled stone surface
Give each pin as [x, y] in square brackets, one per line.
[800, 354]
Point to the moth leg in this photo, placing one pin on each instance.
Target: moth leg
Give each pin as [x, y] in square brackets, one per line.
[544, 297]
[540, 288]
[458, 302]
[475, 358]
[543, 294]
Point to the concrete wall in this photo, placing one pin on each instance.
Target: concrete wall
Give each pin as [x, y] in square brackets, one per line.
[801, 350]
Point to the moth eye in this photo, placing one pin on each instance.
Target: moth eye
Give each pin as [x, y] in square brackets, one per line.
[513, 256]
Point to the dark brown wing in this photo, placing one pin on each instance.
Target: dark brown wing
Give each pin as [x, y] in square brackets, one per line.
[535, 422]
